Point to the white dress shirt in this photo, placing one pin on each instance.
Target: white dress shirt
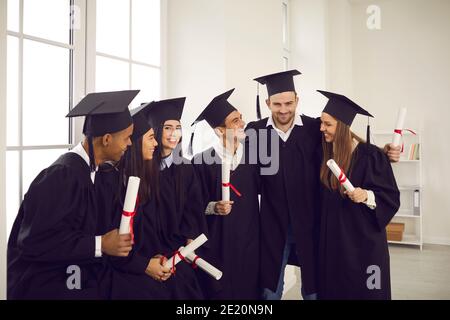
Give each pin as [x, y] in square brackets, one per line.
[285, 135]
[166, 162]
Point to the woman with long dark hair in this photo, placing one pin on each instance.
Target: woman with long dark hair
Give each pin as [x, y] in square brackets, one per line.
[141, 275]
[353, 249]
[179, 208]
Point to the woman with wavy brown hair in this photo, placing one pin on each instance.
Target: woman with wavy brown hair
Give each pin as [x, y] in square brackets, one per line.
[353, 250]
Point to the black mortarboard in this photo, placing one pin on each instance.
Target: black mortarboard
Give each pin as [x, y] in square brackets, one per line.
[217, 110]
[344, 109]
[215, 113]
[141, 120]
[106, 112]
[170, 109]
[276, 83]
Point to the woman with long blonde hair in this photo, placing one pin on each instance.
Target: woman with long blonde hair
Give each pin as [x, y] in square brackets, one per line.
[353, 250]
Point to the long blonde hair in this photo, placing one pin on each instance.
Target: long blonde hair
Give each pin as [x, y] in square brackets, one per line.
[341, 150]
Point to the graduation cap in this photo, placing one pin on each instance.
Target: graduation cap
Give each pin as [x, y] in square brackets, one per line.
[215, 113]
[161, 111]
[344, 109]
[141, 120]
[106, 112]
[276, 83]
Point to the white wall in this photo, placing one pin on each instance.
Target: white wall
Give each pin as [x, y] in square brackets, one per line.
[2, 149]
[216, 45]
[308, 52]
[406, 63]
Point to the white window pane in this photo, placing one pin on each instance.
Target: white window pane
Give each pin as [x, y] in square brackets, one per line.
[146, 31]
[48, 19]
[34, 161]
[148, 81]
[12, 191]
[13, 15]
[12, 109]
[113, 27]
[45, 94]
[111, 75]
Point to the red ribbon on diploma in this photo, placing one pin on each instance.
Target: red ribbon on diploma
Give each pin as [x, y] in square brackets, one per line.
[194, 262]
[400, 132]
[131, 214]
[176, 253]
[342, 178]
[228, 184]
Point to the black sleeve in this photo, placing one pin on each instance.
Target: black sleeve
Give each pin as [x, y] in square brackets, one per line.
[194, 221]
[380, 179]
[54, 203]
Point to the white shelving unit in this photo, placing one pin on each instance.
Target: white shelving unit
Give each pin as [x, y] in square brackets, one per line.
[408, 174]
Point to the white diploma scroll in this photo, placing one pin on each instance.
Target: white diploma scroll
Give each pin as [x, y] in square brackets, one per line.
[185, 251]
[129, 205]
[226, 167]
[340, 175]
[204, 265]
[397, 137]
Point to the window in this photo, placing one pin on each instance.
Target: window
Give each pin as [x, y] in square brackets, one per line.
[39, 86]
[128, 47]
[59, 50]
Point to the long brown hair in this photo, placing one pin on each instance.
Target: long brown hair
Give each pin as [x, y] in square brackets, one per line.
[133, 164]
[157, 162]
[341, 150]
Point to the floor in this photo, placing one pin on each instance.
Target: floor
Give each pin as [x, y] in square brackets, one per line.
[415, 274]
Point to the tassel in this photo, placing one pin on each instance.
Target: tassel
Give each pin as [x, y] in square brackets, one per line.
[191, 144]
[368, 131]
[91, 154]
[258, 106]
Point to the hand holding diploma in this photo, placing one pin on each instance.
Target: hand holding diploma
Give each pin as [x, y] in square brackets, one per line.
[156, 269]
[114, 244]
[357, 196]
[223, 208]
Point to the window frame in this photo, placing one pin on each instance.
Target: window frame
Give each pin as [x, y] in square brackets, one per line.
[286, 26]
[82, 46]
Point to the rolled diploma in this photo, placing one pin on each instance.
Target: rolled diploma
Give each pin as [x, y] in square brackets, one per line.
[205, 266]
[337, 172]
[130, 203]
[185, 251]
[397, 137]
[226, 167]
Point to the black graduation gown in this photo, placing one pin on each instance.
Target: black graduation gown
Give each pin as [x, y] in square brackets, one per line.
[54, 229]
[176, 222]
[233, 239]
[291, 196]
[128, 280]
[353, 236]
